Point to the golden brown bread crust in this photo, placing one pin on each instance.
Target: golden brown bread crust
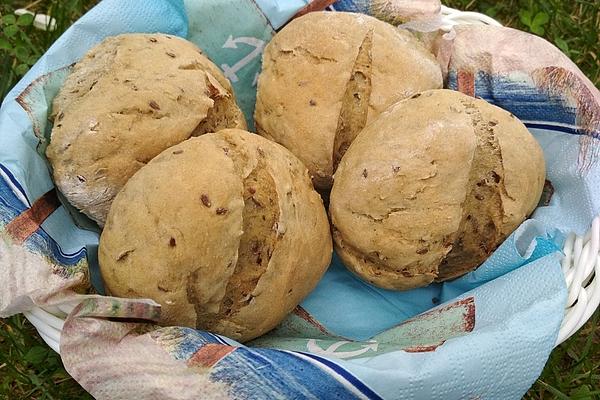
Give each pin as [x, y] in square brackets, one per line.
[429, 189]
[325, 75]
[128, 99]
[225, 231]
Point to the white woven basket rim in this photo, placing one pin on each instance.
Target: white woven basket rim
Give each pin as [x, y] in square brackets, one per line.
[581, 264]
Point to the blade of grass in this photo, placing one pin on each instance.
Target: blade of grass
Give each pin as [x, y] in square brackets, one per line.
[559, 395]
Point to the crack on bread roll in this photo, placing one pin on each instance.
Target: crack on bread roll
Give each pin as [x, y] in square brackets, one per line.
[373, 267]
[300, 50]
[480, 228]
[192, 284]
[261, 229]
[260, 216]
[223, 114]
[355, 102]
[325, 76]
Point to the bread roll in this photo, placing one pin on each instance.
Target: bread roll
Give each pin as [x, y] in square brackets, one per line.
[225, 231]
[128, 99]
[429, 190]
[325, 75]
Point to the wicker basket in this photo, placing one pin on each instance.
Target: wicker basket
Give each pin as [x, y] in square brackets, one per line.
[581, 264]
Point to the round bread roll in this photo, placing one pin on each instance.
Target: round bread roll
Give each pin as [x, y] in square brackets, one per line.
[429, 190]
[225, 231]
[128, 99]
[325, 75]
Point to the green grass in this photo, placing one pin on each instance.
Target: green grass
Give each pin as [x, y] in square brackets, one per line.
[29, 370]
[21, 44]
